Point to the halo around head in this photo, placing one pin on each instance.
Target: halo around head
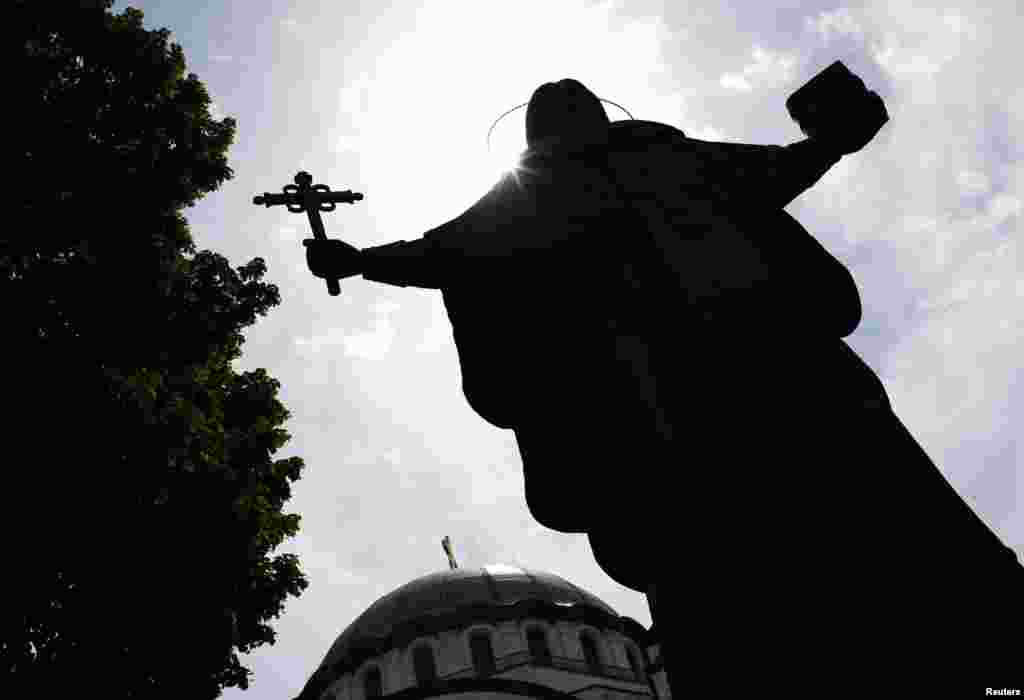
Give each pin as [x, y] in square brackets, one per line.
[507, 112]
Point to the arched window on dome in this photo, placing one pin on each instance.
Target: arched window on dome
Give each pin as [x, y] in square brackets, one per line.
[372, 685]
[423, 664]
[635, 662]
[483, 653]
[537, 642]
[590, 654]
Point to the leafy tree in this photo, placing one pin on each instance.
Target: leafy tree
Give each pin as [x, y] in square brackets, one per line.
[142, 498]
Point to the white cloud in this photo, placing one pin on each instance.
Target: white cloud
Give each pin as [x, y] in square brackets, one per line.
[987, 275]
[288, 234]
[354, 98]
[1015, 109]
[326, 340]
[216, 112]
[706, 133]
[373, 344]
[1003, 206]
[919, 42]
[951, 377]
[840, 22]
[961, 24]
[769, 69]
[360, 454]
[735, 81]
[972, 182]
[909, 63]
[437, 336]
[383, 307]
[324, 566]
[346, 144]
[939, 242]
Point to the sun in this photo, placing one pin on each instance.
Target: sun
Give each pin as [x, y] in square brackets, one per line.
[503, 159]
[504, 166]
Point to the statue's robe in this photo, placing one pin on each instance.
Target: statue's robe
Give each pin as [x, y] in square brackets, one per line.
[568, 277]
[666, 342]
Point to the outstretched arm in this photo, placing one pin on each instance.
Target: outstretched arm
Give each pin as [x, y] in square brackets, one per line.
[473, 237]
[404, 263]
[401, 263]
[800, 166]
[772, 176]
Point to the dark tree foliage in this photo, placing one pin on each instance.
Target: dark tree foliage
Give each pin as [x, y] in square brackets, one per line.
[141, 497]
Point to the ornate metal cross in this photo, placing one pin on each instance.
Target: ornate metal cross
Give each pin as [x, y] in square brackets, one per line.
[304, 196]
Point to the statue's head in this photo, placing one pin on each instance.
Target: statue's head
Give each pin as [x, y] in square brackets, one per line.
[565, 116]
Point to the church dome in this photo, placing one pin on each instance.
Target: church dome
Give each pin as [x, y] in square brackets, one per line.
[446, 592]
[457, 600]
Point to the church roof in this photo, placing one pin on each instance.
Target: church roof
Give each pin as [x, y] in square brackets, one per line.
[447, 591]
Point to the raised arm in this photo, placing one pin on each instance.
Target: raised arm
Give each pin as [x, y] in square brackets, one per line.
[800, 166]
[767, 176]
[764, 175]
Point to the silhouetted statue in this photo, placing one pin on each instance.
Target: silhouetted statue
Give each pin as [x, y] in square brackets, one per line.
[666, 343]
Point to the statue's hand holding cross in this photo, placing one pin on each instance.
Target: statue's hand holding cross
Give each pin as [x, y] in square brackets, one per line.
[330, 259]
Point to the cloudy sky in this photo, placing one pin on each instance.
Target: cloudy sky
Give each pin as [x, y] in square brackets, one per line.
[394, 100]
